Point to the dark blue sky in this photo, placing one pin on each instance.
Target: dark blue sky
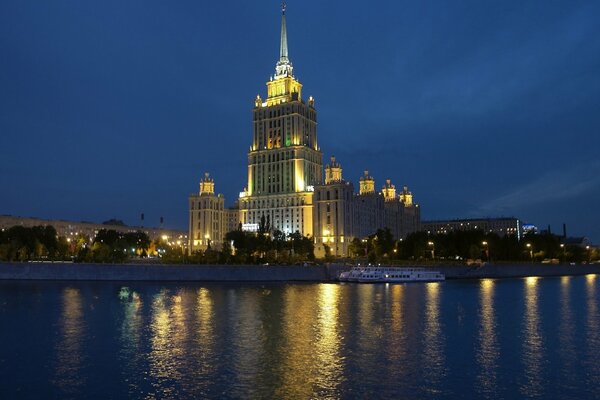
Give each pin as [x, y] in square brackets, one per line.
[110, 108]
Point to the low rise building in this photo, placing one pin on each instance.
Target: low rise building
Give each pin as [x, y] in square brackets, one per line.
[499, 226]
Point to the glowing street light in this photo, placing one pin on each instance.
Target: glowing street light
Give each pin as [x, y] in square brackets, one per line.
[487, 250]
[530, 250]
[432, 245]
[588, 254]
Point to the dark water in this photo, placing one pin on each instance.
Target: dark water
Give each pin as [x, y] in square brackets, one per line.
[504, 339]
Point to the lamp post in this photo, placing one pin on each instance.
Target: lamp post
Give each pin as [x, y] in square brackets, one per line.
[432, 245]
[588, 254]
[530, 251]
[564, 251]
[487, 250]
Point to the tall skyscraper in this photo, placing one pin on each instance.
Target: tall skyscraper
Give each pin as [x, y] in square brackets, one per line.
[284, 161]
[285, 189]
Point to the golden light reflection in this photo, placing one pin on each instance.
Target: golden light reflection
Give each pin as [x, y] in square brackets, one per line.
[591, 278]
[398, 349]
[168, 330]
[567, 348]
[488, 350]
[328, 339]
[533, 345]
[299, 336]
[593, 328]
[531, 280]
[204, 315]
[69, 348]
[433, 353]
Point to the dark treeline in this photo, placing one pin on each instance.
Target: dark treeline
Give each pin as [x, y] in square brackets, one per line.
[41, 243]
[460, 246]
[112, 246]
[37, 243]
[242, 247]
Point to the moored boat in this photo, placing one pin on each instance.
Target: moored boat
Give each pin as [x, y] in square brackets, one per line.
[371, 274]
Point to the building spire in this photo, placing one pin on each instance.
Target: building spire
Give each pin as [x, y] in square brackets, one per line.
[283, 49]
[284, 66]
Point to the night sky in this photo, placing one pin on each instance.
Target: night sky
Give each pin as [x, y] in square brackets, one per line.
[113, 108]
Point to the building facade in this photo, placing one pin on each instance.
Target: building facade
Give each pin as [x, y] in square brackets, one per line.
[499, 226]
[70, 229]
[284, 161]
[286, 189]
[342, 215]
[208, 217]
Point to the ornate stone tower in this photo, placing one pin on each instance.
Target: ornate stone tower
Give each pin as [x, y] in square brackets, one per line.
[367, 184]
[284, 161]
[207, 222]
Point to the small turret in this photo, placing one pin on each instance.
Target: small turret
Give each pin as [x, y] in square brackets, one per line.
[207, 185]
[406, 197]
[389, 191]
[367, 183]
[333, 172]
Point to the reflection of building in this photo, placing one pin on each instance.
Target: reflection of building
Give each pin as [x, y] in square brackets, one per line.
[500, 226]
[286, 190]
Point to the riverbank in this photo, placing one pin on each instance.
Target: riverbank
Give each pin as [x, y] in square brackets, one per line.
[258, 273]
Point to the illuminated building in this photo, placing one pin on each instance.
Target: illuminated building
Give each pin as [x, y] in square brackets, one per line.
[341, 215]
[207, 225]
[286, 189]
[69, 229]
[500, 226]
[284, 161]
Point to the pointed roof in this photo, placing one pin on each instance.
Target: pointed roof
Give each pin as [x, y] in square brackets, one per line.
[283, 48]
[284, 66]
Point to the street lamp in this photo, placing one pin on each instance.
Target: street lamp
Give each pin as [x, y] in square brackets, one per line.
[564, 251]
[487, 250]
[432, 245]
[588, 253]
[530, 250]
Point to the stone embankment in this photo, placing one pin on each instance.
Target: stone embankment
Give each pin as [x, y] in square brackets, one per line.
[254, 273]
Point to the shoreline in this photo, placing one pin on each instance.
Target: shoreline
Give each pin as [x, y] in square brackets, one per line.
[259, 273]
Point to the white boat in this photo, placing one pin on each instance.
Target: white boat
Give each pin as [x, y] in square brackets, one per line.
[390, 274]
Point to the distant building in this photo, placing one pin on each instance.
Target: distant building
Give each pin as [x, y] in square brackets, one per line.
[71, 228]
[499, 226]
[208, 221]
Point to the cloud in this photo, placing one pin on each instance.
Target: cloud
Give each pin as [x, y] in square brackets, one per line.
[554, 186]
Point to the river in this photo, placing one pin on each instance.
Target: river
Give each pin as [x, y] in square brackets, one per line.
[488, 339]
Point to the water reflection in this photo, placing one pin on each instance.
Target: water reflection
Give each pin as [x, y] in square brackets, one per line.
[131, 332]
[69, 349]
[297, 373]
[565, 332]
[592, 336]
[488, 350]
[168, 330]
[247, 338]
[205, 339]
[433, 351]
[533, 345]
[328, 341]
[397, 336]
